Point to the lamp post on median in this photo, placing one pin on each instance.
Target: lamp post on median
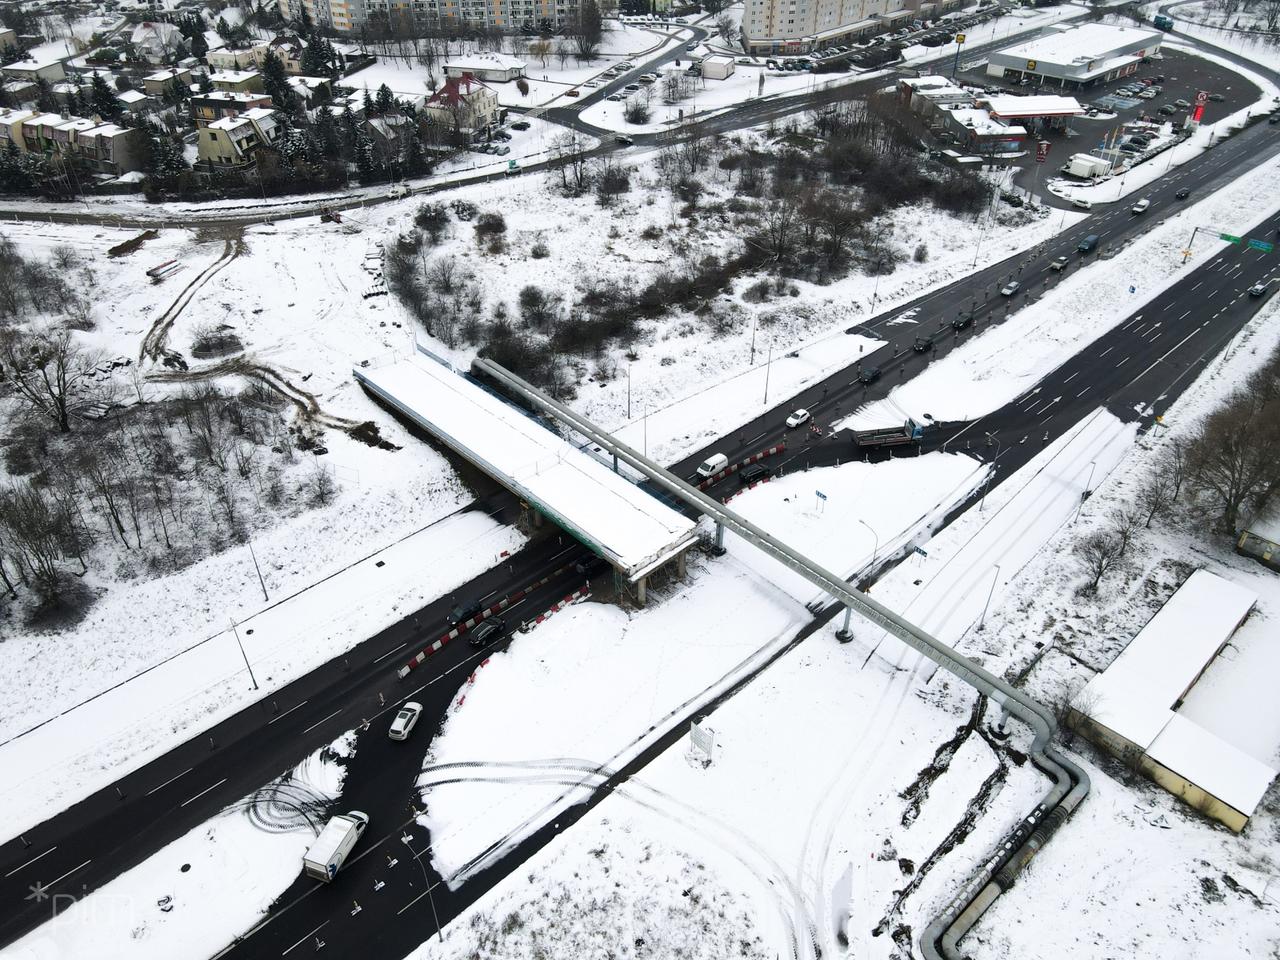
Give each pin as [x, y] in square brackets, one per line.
[875, 549]
[1084, 494]
[982, 622]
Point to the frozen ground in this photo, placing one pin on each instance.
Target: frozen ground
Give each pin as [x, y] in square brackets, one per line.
[998, 366]
[197, 894]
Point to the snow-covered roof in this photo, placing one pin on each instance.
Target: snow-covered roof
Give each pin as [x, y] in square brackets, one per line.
[130, 97]
[1136, 697]
[926, 83]
[163, 75]
[483, 61]
[1040, 105]
[1092, 41]
[232, 76]
[8, 116]
[981, 123]
[631, 528]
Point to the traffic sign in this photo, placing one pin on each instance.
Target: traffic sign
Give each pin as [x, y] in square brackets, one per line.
[1228, 237]
[959, 38]
[821, 495]
[1133, 289]
[919, 550]
[1202, 96]
[1042, 151]
[1263, 245]
[1031, 64]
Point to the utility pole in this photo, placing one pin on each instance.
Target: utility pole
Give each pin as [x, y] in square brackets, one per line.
[247, 664]
[768, 365]
[982, 622]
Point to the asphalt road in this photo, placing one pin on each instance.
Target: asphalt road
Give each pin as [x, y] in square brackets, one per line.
[1142, 364]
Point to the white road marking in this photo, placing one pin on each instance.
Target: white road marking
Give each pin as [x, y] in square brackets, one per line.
[304, 939]
[68, 873]
[322, 720]
[203, 792]
[390, 652]
[167, 782]
[30, 862]
[287, 712]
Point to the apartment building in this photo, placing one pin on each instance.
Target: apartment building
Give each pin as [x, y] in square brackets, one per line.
[348, 15]
[798, 26]
[233, 143]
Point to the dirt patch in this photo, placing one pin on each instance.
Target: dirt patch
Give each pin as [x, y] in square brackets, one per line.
[367, 433]
[219, 341]
[129, 246]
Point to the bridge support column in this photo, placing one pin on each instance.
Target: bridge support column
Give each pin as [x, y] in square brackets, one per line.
[844, 634]
[718, 549]
[682, 564]
[537, 519]
[642, 591]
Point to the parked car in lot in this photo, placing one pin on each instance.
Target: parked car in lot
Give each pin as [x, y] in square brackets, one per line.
[520, 125]
[405, 720]
[1182, 103]
[798, 418]
[1010, 288]
[486, 633]
[1216, 97]
[615, 97]
[1060, 263]
[1168, 110]
[632, 88]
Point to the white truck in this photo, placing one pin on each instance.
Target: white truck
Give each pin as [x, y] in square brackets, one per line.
[329, 851]
[1087, 166]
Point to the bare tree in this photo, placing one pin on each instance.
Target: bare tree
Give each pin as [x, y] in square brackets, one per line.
[35, 530]
[1155, 494]
[1099, 552]
[1236, 453]
[52, 376]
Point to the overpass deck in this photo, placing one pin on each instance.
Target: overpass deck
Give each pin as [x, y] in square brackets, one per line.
[623, 523]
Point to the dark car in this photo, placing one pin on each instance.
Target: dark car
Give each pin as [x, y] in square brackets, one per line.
[754, 474]
[486, 633]
[520, 125]
[921, 344]
[868, 375]
[1274, 118]
[962, 322]
[465, 610]
[589, 566]
[1183, 193]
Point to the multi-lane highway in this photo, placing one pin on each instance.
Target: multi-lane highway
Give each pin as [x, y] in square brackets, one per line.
[1143, 363]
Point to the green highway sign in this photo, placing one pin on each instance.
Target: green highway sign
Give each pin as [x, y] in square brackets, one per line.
[1228, 237]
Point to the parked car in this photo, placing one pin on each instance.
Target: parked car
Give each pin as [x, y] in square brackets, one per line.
[1081, 203]
[520, 125]
[1010, 288]
[1216, 97]
[1168, 110]
[1060, 264]
[1182, 103]
[486, 633]
[632, 88]
[615, 96]
[798, 418]
[405, 720]
[465, 610]
[754, 474]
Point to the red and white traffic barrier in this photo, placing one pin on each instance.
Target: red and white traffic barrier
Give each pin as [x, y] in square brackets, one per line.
[580, 594]
[741, 490]
[715, 478]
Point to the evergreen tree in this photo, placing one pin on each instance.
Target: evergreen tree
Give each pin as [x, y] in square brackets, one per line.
[275, 81]
[386, 103]
[102, 99]
[199, 45]
[366, 162]
[74, 106]
[163, 158]
[45, 99]
[328, 139]
[415, 158]
[350, 131]
[315, 62]
[369, 109]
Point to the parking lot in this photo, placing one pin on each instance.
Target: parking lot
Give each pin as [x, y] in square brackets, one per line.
[1184, 76]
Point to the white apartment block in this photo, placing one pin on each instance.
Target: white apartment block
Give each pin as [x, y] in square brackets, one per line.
[348, 15]
[798, 26]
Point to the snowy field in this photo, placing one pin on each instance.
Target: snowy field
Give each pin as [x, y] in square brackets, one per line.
[995, 368]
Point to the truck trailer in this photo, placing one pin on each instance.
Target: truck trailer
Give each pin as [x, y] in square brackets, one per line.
[329, 851]
[908, 432]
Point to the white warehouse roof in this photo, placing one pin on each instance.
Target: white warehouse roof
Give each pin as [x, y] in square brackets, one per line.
[1079, 45]
[1137, 696]
[629, 527]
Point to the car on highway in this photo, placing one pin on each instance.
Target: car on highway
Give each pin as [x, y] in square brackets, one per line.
[798, 418]
[1140, 206]
[1060, 264]
[1088, 244]
[1274, 118]
[623, 139]
[1010, 288]
[963, 321]
[921, 344]
[1258, 289]
[486, 633]
[405, 720]
[465, 610]
[868, 375]
[754, 474]
[1081, 203]
[1183, 194]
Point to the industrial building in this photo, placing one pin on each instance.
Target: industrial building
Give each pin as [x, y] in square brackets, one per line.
[1131, 708]
[1073, 58]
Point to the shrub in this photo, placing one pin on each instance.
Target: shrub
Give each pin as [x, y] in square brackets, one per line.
[490, 225]
[433, 220]
[921, 254]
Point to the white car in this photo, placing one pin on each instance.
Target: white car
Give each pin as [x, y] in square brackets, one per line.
[1141, 205]
[1081, 203]
[797, 418]
[405, 720]
[1009, 289]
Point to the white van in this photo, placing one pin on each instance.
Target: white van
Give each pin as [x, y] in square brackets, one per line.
[713, 465]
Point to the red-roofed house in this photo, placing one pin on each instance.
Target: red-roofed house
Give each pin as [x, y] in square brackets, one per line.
[463, 104]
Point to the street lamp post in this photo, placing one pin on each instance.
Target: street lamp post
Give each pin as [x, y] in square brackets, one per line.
[768, 365]
[991, 437]
[844, 635]
[982, 621]
[406, 840]
[248, 666]
[1085, 492]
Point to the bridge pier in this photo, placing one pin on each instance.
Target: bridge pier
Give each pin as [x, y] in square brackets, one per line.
[844, 634]
[642, 591]
[719, 547]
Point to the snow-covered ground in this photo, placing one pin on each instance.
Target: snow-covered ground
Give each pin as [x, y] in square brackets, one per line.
[197, 894]
[996, 367]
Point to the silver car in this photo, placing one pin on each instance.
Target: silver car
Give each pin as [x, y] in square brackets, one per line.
[406, 719]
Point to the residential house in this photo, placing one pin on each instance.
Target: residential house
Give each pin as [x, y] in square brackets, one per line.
[462, 104]
[20, 92]
[289, 51]
[236, 58]
[8, 39]
[159, 84]
[33, 70]
[390, 135]
[220, 104]
[103, 147]
[156, 42]
[135, 101]
[491, 67]
[237, 81]
[234, 143]
[312, 90]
